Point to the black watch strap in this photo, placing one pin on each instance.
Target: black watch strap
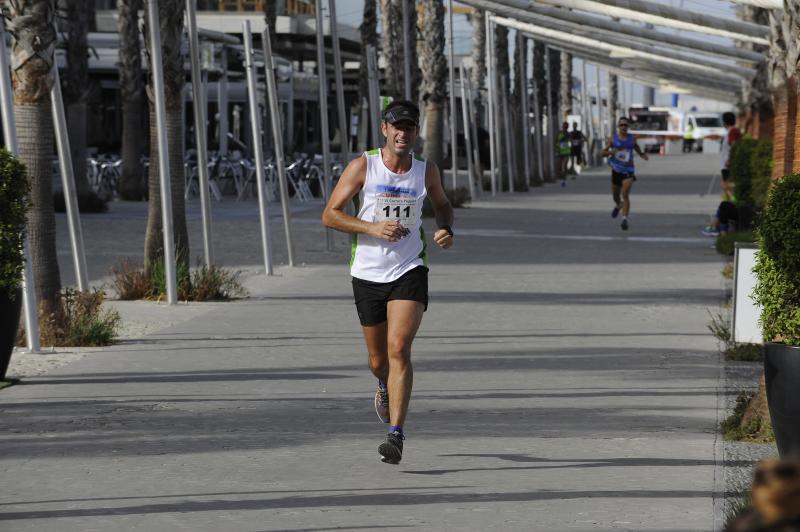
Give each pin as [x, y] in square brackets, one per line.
[447, 228]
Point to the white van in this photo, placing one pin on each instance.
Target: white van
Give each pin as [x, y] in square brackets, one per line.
[707, 126]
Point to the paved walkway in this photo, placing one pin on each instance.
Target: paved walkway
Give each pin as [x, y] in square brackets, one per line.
[565, 380]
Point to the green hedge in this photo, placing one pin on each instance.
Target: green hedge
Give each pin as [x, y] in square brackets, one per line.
[13, 208]
[751, 169]
[777, 288]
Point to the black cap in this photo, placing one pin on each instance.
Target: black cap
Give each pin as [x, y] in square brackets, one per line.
[399, 113]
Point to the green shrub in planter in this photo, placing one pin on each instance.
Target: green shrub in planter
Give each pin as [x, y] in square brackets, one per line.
[777, 291]
[741, 169]
[779, 226]
[13, 208]
[760, 172]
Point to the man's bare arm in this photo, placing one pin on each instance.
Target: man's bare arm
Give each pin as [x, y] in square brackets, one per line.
[442, 209]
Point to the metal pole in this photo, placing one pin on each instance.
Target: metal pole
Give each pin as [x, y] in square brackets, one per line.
[537, 118]
[490, 103]
[222, 103]
[476, 157]
[323, 115]
[453, 116]
[198, 103]
[68, 183]
[587, 115]
[523, 94]
[374, 105]
[467, 136]
[258, 149]
[507, 133]
[550, 122]
[344, 130]
[10, 135]
[277, 139]
[163, 151]
[406, 50]
[600, 123]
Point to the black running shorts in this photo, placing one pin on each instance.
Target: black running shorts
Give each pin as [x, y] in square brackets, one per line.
[372, 298]
[726, 174]
[618, 177]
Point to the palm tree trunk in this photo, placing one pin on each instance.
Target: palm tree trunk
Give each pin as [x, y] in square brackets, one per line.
[413, 29]
[171, 20]
[32, 24]
[613, 98]
[154, 239]
[565, 96]
[391, 47]
[75, 23]
[434, 74]
[555, 88]
[478, 73]
[516, 112]
[131, 185]
[502, 73]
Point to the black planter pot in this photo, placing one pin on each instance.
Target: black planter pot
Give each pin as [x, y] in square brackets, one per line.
[782, 373]
[10, 310]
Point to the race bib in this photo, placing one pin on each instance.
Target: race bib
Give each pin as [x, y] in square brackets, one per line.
[623, 156]
[401, 208]
[564, 144]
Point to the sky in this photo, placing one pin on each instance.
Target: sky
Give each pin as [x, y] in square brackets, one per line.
[350, 12]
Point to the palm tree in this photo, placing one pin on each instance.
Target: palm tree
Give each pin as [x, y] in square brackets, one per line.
[613, 98]
[565, 90]
[171, 21]
[434, 76]
[478, 73]
[517, 94]
[555, 85]
[131, 87]
[413, 30]
[32, 23]
[503, 83]
[75, 21]
[369, 37]
[784, 94]
[391, 47]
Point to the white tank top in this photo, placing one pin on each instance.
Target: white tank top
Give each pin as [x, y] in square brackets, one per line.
[390, 196]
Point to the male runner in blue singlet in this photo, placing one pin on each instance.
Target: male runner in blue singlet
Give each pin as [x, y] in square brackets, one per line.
[619, 151]
[389, 259]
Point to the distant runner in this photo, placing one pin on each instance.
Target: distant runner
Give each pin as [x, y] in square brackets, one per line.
[389, 258]
[577, 138]
[564, 149]
[619, 151]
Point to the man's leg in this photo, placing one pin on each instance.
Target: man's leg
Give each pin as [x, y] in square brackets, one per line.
[626, 198]
[375, 337]
[404, 319]
[615, 193]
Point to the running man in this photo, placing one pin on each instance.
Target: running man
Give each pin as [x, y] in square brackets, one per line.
[619, 151]
[564, 149]
[577, 138]
[389, 260]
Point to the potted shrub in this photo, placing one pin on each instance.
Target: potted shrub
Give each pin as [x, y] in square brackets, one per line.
[777, 291]
[13, 209]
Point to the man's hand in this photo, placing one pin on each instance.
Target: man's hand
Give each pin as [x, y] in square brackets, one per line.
[443, 238]
[390, 230]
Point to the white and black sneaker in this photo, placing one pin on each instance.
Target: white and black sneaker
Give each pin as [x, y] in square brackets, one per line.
[391, 450]
[382, 404]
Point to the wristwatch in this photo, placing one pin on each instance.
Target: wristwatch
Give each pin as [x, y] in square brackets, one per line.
[447, 228]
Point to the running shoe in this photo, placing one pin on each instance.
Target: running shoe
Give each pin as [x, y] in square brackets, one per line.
[382, 404]
[391, 450]
[710, 231]
[624, 224]
[615, 212]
